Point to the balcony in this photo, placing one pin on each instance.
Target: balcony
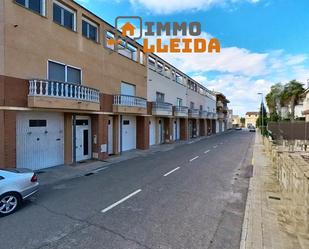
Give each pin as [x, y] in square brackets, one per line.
[181, 111]
[62, 95]
[162, 109]
[194, 113]
[220, 104]
[203, 114]
[129, 104]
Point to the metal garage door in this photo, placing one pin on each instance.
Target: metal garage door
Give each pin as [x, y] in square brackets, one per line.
[128, 133]
[39, 140]
[152, 131]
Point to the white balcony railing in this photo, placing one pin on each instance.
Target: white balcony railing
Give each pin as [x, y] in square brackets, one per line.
[162, 106]
[181, 110]
[132, 101]
[203, 114]
[194, 112]
[63, 90]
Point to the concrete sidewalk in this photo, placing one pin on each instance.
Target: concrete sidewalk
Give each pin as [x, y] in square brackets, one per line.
[261, 228]
[65, 172]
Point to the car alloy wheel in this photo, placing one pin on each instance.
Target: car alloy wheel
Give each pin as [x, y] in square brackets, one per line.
[8, 204]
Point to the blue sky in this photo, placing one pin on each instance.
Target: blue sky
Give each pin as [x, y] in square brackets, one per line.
[263, 41]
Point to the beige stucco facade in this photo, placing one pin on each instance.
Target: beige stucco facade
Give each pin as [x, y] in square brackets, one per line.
[251, 118]
[27, 57]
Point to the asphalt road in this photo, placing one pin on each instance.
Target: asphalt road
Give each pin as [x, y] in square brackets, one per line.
[190, 197]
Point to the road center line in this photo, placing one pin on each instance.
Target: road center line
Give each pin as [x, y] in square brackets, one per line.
[215, 146]
[100, 169]
[120, 201]
[172, 171]
[194, 158]
[206, 151]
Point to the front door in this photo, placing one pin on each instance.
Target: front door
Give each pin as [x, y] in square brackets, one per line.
[83, 139]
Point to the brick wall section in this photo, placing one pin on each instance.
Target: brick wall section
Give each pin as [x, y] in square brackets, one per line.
[8, 139]
[1, 137]
[149, 108]
[68, 157]
[106, 102]
[1, 90]
[202, 127]
[99, 125]
[168, 130]
[184, 129]
[142, 132]
[13, 91]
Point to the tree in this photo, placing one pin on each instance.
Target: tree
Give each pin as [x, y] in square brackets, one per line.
[291, 94]
[262, 122]
[242, 121]
[273, 97]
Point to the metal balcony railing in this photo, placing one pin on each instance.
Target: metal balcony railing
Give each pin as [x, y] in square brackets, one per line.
[132, 101]
[56, 89]
[181, 109]
[162, 106]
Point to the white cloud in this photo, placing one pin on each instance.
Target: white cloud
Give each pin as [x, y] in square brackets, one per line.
[172, 6]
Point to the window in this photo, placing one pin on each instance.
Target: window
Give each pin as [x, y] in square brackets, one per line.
[64, 16]
[81, 122]
[191, 105]
[179, 102]
[37, 123]
[63, 73]
[159, 97]
[126, 122]
[37, 6]
[90, 30]
[127, 89]
[109, 36]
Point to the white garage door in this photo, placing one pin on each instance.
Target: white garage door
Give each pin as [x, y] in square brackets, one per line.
[152, 131]
[128, 133]
[176, 129]
[39, 140]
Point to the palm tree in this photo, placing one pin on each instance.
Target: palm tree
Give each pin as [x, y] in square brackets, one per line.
[290, 95]
[273, 97]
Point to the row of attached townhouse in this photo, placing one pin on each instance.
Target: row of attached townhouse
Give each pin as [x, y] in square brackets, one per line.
[68, 96]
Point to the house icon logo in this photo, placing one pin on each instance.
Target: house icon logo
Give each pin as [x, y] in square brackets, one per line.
[127, 30]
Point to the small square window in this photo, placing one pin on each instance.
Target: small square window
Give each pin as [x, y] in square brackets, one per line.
[126, 122]
[37, 123]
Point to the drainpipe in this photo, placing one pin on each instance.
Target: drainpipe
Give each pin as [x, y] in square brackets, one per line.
[74, 138]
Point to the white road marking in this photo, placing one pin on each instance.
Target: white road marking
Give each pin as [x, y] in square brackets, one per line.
[120, 201]
[191, 142]
[172, 171]
[215, 146]
[206, 151]
[194, 158]
[100, 169]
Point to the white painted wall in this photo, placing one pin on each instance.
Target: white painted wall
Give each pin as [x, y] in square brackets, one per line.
[198, 99]
[171, 89]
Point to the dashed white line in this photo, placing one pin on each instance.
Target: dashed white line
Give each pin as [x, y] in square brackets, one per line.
[120, 201]
[215, 146]
[194, 158]
[100, 169]
[170, 172]
[191, 142]
[206, 151]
